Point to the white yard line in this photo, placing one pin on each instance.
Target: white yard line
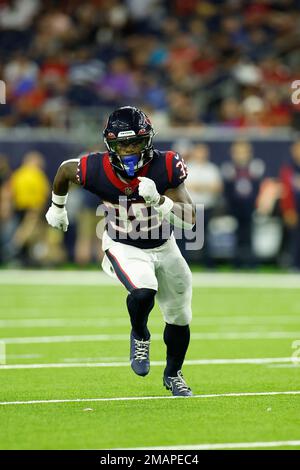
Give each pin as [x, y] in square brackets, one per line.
[285, 366]
[209, 336]
[212, 395]
[189, 362]
[23, 356]
[243, 280]
[71, 360]
[226, 445]
[60, 322]
[119, 321]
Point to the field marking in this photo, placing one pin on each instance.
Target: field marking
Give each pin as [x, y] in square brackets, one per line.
[211, 395]
[62, 278]
[23, 356]
[71, 360]
[3, 355]
[119, 321]
[284, 366]
[59, 322]
[225, 445]
[189, 362]
[209, 336]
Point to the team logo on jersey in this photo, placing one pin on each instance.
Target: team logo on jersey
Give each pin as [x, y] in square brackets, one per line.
[128, 191]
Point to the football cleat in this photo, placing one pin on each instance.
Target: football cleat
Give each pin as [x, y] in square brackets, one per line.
[139, 355]
[177, 385]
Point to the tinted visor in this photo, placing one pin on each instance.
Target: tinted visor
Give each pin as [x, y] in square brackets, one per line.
[132, 145]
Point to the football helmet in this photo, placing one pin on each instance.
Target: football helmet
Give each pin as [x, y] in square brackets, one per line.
[128, 137]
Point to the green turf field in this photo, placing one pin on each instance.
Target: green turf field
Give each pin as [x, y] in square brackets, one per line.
[69, 343]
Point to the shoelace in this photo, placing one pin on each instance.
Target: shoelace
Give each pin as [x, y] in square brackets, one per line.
[141, 349]
[180, 383]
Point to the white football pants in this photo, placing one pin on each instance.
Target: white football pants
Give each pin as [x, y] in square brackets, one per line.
[163, 269]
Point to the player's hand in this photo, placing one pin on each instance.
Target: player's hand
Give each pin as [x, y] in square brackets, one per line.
[148, 191]
[57, 217]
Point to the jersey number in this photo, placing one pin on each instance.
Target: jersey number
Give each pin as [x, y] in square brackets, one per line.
[183, 169]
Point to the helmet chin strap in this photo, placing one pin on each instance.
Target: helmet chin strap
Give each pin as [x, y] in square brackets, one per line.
[129, 163]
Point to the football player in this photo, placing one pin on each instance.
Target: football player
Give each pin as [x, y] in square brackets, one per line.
[143, 192]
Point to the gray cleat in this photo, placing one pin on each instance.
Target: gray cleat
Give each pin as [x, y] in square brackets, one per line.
[177, 385]
[139, 355]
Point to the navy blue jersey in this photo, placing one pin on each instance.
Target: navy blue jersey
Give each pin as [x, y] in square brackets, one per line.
[241, 186]
[128, 219]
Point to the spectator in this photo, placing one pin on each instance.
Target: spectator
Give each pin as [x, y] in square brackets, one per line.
[118, 85]
[204, 184]
[290, 203]
[207, 64]
[30, 193]
[242, 177]
[6, 210]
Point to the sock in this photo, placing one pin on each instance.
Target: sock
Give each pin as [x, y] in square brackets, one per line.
[140, 303]
[177, 340]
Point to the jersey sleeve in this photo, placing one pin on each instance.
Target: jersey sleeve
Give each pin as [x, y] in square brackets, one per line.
[176, 169]
[81, 174]
[89, 172]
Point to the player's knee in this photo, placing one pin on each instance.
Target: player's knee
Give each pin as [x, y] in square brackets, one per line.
[184, 319]
[183, 283]
[141, 298]
[188, 279]
[179, 318]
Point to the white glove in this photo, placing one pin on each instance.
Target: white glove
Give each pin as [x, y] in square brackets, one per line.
[57, 217]
[148, 191]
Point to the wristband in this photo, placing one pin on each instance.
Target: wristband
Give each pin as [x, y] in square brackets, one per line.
[60, 200]
[58, 210]
[165, 211]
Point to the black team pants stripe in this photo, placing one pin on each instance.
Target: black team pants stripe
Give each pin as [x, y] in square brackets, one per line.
[122, 275]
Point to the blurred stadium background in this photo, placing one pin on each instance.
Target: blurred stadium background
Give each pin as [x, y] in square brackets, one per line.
[215, 78]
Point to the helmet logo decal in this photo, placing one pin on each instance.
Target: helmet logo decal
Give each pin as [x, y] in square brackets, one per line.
[111, 135]
[126, 133]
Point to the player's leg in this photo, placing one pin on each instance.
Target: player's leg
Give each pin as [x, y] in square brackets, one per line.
[140, 302]
[174, 297]
[135, 269]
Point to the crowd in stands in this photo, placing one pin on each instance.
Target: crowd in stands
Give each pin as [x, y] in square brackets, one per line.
[250, 219]
[187, 62]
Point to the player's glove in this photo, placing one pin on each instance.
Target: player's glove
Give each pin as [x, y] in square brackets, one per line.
[148, 191]
[57, 217]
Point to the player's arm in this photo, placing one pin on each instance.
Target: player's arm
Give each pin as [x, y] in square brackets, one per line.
[65, 175]
[183, 207]
[57, 215]
[175, 204]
